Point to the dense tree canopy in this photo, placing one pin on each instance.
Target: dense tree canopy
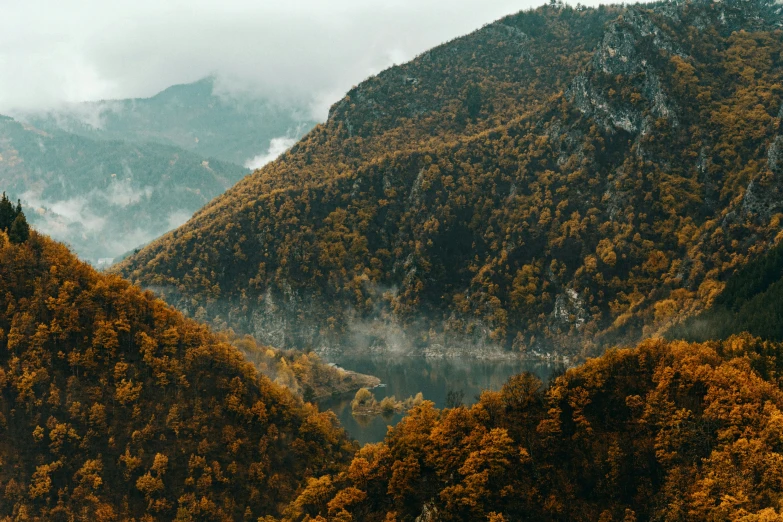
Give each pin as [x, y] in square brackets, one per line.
[565, 175]
[561, 180]
[13, 221]
[666, 431]
[752, 301]
[115, 407]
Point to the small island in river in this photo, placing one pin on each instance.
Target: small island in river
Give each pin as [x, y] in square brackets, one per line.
[365, 403]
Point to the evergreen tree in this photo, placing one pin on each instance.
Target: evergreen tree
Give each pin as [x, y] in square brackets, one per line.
[7, 213]
[473, 101]
[19, 231]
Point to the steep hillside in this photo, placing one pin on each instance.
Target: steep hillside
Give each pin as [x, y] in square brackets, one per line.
[562, 178]
[666, 431]
[105, 197]
[751, 301]
[115, 407]
[232, 127]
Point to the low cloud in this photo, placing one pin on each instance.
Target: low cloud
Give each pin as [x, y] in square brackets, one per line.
[57, 217]
[122, 194]
[103, 223]
[301, 49]
[276, 147]
[90, 114]
[178, 218]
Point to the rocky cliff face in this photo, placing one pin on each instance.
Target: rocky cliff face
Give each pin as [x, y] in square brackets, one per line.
[561, 179]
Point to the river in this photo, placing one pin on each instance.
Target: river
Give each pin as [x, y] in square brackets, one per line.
[406, 376]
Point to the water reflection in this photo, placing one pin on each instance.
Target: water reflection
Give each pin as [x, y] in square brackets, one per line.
[435, 378]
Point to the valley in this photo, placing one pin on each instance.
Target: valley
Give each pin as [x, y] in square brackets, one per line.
[434, 378]
[533, 273]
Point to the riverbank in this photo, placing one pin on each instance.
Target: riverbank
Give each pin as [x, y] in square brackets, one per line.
[439, 351]
[405, 376]
[345, 382]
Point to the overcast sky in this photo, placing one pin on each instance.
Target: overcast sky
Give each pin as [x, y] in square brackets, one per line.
[53, 51]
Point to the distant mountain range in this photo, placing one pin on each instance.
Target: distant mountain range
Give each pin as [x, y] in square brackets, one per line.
[230, 127]
[106, 177]
[105, 197]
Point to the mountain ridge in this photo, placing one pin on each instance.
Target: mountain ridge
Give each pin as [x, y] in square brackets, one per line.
[197, 116]
[594, 207]
[618, 176]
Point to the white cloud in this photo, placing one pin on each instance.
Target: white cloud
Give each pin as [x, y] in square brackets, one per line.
[75, 210]
[75, 50]
[122, 194]
[276, 147]
[75, 221]
[178, 218]
[57, 217]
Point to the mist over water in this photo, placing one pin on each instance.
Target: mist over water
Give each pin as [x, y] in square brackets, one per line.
[435, 378]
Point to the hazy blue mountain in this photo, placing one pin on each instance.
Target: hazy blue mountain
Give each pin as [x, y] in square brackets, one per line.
[108, 176]
[235, 128]
[105, 197]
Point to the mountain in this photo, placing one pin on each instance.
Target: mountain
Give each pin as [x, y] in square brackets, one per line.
[554, 183]
[115, 407]
[665, 431]
[107, 177]
[105, 197]
[199, 117]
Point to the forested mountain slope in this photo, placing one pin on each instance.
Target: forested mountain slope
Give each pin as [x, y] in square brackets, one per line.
[562, 178]
[751, 301]
[665, 431]
[232, 127]
[105, 197]
[115, 407]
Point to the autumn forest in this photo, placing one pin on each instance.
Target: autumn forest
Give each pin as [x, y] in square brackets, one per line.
[596, 187]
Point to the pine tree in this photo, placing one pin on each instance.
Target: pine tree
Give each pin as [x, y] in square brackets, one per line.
[19, 231]
[473, 101]
[7, 213]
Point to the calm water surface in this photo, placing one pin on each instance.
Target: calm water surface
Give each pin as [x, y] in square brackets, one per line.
[406, 376]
